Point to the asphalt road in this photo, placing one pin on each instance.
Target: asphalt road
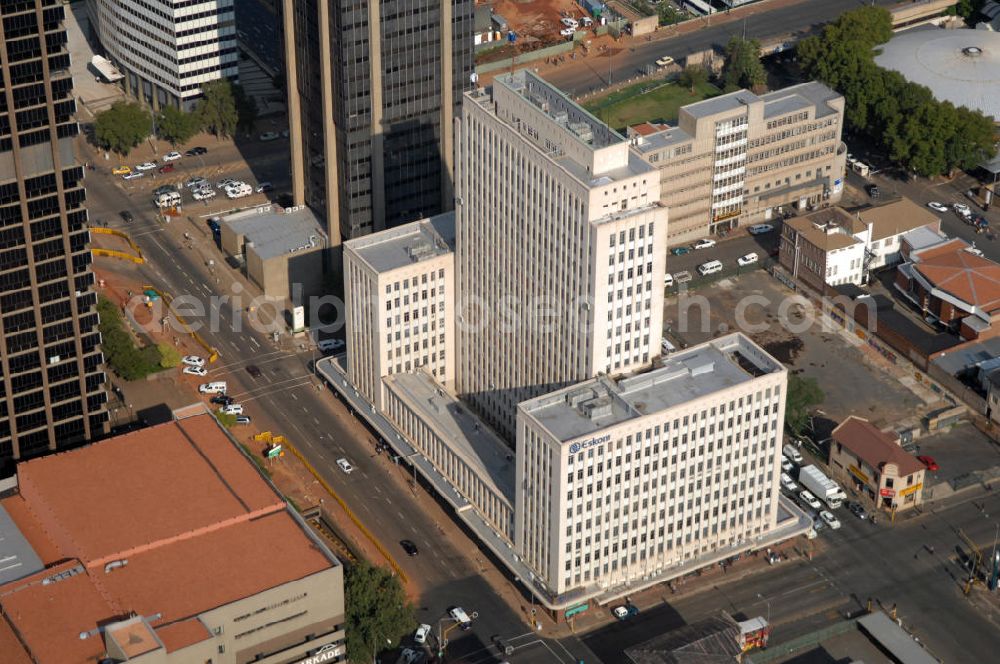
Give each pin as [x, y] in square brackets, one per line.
[886, 562]
[287, 398]
[765, 25]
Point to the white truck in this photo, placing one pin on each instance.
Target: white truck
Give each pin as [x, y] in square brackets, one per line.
[813, 479]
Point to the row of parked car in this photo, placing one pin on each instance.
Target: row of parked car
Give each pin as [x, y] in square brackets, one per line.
[130, 173]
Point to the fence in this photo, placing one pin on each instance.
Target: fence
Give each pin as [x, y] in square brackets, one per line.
[137, 257]
[213, 354]
[782, 650]
[524, 58]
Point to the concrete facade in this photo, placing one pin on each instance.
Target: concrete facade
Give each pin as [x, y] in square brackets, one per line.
[400, 304]
[558, 223]
[168, 52]
[733, 160]
[622, 480]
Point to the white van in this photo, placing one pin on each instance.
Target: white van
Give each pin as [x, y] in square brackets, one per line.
[459, 615]
[232, 409]
[169, 199]
[792, 453]
[218, 387]
[711, 267]
[239, 190]
[668, 280]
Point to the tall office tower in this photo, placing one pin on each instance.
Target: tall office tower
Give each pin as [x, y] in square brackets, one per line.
[166, 53]
[374, 88]
[559, 248]
[51, 372]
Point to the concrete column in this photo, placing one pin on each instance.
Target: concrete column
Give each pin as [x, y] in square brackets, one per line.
[446, 143]
[329, 126]
[294, 111]
[377, 140]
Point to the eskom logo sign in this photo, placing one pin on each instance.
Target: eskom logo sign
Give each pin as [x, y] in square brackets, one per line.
[324, 654]
[579, 447]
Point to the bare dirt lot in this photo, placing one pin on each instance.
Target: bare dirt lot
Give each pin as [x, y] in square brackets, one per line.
[850, 378]
[537, 20]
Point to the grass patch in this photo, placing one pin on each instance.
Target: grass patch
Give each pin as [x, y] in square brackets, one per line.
[646, 102]
[126, 359]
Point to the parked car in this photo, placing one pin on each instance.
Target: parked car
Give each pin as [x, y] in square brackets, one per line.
[666, 346]
[232, 409]
[254, 370]
[937, 207]
[929, 462]
[665, 61]
[269, 136]
[264, 187]
[126, 216]
[569, 22]
[809, 499]
[196, 181]
[330, 344]
[788, 484]
[196, 371]
[193, 361]
[410, 548]
[203, 194]
[567, 32]
[830, 519]
[222, 184]
[682, 277]
[221, 399]
[167, 168]
[121, 170]
[760, 229]
[165, 189]
[748, 259]
[133, 176]
[625, 611]
[218, 387]
[680, 251]
[786, 464]
[420, 636]
[873, 190]
[243, 419]
[962, 208]
[704, 244]
[857, 509]
[668, 280]
[146, 166]
[172, 156]
[195, 151]
[345, 465]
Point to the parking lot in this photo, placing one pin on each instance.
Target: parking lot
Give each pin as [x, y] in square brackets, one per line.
[769, 313]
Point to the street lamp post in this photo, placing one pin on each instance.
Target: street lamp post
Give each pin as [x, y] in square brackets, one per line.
[768, 603]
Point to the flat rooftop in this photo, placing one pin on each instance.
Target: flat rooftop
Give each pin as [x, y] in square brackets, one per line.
[601, 403]
[166, 521]
[407, 244]
[474, 443]
[275, 232]
[798, 97]
[828, 228]
[732, 101]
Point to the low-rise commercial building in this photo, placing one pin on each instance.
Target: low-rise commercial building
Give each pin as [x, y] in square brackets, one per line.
[873, 461]
[399, 303]
[833, 247]
[953, 284]
[149, 547]
[738, 158]
[282, 250]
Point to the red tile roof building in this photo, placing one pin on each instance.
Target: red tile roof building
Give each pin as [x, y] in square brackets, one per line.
[873, 462]
[163, 545]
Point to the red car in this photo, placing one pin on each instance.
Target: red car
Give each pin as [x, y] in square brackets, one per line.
[167, 168]
[929, 462]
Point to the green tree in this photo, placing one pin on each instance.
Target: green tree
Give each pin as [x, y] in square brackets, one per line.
[693, 77]
[378, 612]
[669, 14]
[743, 68]
[125, 359]
[217, 108]
[246, 109]
[803, 395]
[122, 127]
[169, 356]
[176, 126]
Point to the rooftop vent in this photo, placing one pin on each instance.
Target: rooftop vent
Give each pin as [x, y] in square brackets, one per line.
[972, 51]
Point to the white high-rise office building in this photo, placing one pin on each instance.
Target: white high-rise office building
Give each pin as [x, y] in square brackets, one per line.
[559, 251]
[169, 49]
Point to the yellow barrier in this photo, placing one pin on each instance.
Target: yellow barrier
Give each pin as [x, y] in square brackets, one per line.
[137, 258]
[213, 354]
[350, 514]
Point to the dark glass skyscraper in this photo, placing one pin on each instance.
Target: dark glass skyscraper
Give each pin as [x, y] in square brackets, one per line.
[51, 367]
[375, 87]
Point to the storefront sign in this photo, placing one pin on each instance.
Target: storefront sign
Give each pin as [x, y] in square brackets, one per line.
[579, 608]
[857, 473]
[911, 489]
[887, 493]
[327, 653]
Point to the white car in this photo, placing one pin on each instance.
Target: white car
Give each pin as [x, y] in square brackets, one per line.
[222, 184]
[420, 636]
[196, 182]
[145, 166]
[665, 61]
[666, 346]
[203, 194]
[749, 259]
[809, 499]
[569, 22]
[704, 244]
[196, 371]
[961, 208]
[134, 175]
[330, 344]
[567, 32]
[668, 280]
[788, 484]
[345, 465]
[172, 156]
[786, 464]
[937, 207]
[269, 136]
[193, 361]
[232, 409]
[830, 520]
[760, 229]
